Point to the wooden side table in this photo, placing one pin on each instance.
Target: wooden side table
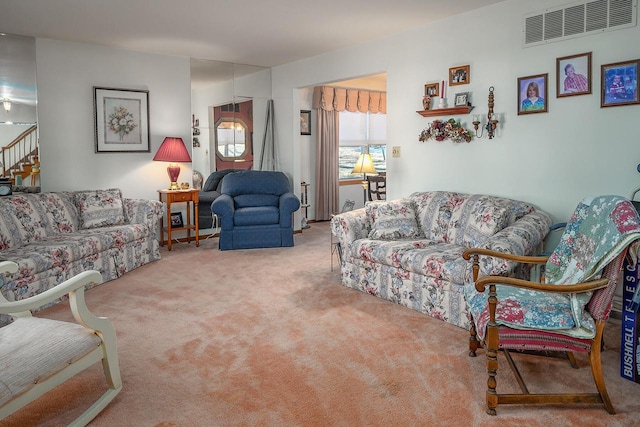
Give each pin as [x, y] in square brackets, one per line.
[180, 196]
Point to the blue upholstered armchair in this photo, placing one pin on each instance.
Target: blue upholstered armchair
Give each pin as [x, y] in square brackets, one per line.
[256, 210]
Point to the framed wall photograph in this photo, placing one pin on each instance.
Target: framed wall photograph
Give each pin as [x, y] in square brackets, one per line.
[431, 89]
[121, 120]
[532, 94]
[573, 75]
[461, 99]
[176, 220]
[305, 122]
[459, 75]
[620, 83]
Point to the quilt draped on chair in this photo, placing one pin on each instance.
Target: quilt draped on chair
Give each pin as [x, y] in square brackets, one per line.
[598, 231]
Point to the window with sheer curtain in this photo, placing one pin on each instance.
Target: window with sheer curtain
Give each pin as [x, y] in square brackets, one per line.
[361, 133]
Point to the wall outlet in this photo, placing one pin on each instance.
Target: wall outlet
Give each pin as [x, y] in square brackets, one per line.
[395, 151]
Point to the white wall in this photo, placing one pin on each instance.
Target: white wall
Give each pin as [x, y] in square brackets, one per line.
[551, 159]
[67, 73]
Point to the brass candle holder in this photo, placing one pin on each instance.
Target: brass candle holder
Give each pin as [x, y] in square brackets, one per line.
[492, 119]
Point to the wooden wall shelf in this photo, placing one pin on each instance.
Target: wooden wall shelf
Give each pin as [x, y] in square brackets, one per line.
[445, 111]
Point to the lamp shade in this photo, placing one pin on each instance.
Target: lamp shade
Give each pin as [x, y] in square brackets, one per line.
[173, 150]
[364, 164]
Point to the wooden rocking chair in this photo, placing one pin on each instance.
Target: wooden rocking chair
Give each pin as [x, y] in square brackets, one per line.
[497, 334]
[38, 354]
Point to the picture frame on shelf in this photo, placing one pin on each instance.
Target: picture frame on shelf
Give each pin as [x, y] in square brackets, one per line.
[432, 89]
[533, 94]
[619, 83]
[305, 122]
[459, 75]
[121, 119]
[176, 220]
[461, 99]
[573, 75]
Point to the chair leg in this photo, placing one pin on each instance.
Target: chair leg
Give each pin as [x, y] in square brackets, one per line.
[474, 344]
[596, 367]
[492, 352]
[572, 360]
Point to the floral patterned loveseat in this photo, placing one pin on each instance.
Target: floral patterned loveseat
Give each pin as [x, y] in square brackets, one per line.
[54, 236]
[409, 251]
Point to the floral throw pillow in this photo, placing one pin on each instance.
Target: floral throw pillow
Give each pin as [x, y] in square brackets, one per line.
[393, 220]
[101, 208]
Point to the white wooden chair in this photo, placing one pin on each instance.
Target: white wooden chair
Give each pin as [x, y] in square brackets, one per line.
[38, 354]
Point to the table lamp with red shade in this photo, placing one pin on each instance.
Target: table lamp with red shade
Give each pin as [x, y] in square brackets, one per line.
[173, 150]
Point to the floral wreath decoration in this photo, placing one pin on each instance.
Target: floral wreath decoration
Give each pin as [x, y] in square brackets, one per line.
[441, 130]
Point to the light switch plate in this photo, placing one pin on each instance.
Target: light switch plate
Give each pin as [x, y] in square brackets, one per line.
[395, 151]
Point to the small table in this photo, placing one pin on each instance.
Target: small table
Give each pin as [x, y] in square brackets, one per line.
[180, 196]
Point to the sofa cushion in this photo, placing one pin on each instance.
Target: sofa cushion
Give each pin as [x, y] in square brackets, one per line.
[387, 252]
[393, 220]
[440, 261]
[60, 212]
[60, 250]
[251, 200]
[434, 210]
[476, 218]
[258, 215]
[100, 208]
[518, 210]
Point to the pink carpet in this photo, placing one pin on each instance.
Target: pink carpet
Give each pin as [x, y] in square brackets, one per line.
[269, 337]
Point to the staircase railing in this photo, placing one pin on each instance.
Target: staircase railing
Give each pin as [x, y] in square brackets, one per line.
[23, 149]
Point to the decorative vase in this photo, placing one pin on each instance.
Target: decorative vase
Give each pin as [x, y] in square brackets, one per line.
[426, 102]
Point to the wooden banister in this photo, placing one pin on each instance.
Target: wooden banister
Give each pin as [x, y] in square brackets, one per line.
[19, 151]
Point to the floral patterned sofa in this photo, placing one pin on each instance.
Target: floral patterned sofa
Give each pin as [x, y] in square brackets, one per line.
[409, 251]
[54, 236]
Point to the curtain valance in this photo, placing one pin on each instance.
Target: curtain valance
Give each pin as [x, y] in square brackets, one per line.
[340, 99]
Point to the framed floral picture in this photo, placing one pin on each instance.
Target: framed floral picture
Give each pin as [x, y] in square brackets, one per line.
[620, 83]
[573, 75]
[121, 120]
[532, 94]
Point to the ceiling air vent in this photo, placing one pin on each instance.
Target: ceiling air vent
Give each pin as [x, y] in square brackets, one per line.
[577, 20]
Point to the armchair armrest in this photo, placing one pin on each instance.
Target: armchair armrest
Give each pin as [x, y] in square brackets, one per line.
[589, 286]
[529, 259]
[224, 207]
[349, 227]
[474, 254]
[289, 203]
[482, 282]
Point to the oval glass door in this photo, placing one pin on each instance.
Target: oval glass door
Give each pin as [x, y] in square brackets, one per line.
[231, 137]
[233, 125]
